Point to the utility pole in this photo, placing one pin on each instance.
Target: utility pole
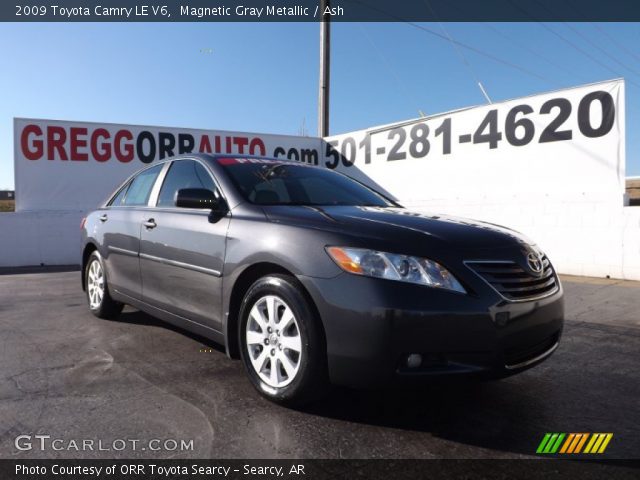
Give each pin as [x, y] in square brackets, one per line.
[325, 61]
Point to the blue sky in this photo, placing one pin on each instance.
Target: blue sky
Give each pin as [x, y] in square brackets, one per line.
[263, 77]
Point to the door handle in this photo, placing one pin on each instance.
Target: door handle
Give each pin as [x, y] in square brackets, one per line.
[103, 217]
[151, 223]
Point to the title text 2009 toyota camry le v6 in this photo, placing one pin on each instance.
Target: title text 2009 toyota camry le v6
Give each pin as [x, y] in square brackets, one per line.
[314, 279]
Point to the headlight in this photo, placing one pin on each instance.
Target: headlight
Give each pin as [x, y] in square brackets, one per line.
[392, 266]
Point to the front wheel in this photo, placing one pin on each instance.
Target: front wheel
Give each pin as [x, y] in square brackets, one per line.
[282, 344]
[100, 302]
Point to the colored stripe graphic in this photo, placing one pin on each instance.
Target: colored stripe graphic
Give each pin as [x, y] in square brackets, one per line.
[573, 443]
[581, 443]
[556, 445]
[604, 445]
[543, 443]
[590, 444]
[598, 442]
[550, 443]
[567, 443]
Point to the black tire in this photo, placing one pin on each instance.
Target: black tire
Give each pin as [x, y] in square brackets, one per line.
[310, 382]
[106, 308]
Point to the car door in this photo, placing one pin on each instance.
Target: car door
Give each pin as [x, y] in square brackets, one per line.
[120, 222]
[182, 250]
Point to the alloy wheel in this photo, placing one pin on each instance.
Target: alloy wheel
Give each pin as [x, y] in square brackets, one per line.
[274, 342]
[95, 284]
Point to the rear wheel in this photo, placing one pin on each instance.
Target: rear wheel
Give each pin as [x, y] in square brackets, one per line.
[282, 345]
[100, 302]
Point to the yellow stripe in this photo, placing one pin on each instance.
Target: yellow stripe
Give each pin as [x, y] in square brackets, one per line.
[590, 444]
[567, 442]
[599, 440]
[605, 443]
[575, 442]
[584, 439]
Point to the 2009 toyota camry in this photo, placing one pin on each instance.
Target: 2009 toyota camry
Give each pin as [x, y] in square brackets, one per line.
[313, 278]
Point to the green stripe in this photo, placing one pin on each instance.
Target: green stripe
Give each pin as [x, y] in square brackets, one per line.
[558, 442]
[547, 449]
[543, 443]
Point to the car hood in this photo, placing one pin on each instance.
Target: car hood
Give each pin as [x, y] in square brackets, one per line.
[398, 224]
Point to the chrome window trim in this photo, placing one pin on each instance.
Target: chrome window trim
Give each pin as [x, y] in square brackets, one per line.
[155, 190]
[153, 196]
[123, 251]
[124, 186]
[136, 175]
[166, 261]
[188, 266]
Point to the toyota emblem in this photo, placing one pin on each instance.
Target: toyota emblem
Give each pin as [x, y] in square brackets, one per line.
[535, 262]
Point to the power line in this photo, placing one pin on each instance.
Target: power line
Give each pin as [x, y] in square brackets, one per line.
[599, 48]
[464, 45]
[494, 57]
[525, 47]
[567, 41]
[482, 52]
[582, 51]
[621, 46]
[522, 69]
[460, 54]
[387, 63]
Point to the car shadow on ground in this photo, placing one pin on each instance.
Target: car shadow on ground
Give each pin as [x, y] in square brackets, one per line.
[470, 412]
[503, 417]
[136, 317]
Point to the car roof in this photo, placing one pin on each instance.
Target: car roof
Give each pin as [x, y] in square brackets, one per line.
[219, 156]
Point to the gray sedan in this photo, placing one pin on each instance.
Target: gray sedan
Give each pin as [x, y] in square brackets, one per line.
[313, 279]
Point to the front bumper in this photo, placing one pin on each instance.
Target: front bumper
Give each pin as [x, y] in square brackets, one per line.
[372, 325]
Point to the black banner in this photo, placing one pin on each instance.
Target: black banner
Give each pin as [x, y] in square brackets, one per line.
[314, 469]
[312, 10]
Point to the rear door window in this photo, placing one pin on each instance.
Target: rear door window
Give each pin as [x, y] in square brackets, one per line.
[140, 188]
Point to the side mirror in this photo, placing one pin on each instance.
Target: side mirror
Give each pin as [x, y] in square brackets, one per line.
[200, 198]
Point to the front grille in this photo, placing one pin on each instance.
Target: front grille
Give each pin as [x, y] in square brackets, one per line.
[514, 282]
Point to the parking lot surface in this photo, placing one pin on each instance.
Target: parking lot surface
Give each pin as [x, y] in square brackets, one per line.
[67, 374]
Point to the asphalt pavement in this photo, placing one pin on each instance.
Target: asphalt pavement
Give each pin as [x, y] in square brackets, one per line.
[69, 377]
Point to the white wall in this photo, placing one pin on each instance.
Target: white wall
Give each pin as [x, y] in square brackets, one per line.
[592, 238]
[40, 238]
[631, 243]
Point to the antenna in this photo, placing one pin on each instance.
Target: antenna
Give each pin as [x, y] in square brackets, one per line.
[484, 92]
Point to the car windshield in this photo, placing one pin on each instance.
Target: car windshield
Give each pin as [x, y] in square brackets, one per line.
[266, 182]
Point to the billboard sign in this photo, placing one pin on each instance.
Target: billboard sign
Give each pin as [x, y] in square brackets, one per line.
[565, 144]
[63, 165]
[568, 143]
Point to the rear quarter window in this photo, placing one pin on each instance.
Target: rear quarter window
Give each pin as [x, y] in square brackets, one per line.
[119, 198]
